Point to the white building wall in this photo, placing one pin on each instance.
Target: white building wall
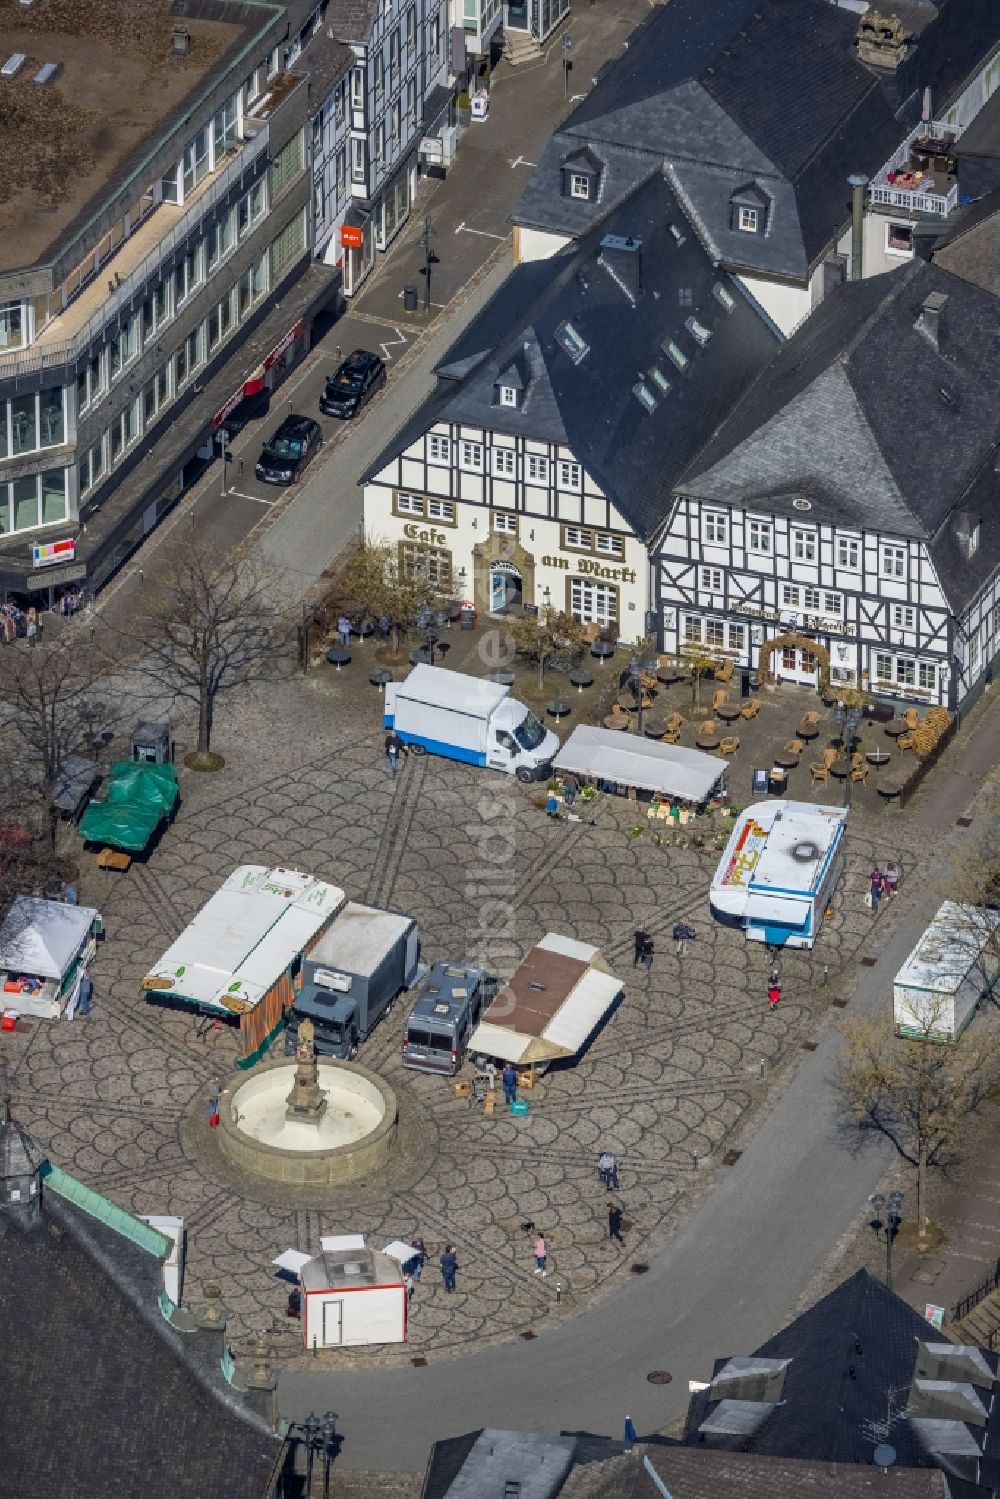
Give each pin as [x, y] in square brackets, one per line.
[375, 1314]
[536, 244]
[785, 305]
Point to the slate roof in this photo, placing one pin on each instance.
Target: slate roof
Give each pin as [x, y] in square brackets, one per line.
[862, 416]
[97, 1386]
[769, 88]
[971, 246]
[589, 406]
[846, 1354]
[351, 20]
[326, 61]
[703, 1474]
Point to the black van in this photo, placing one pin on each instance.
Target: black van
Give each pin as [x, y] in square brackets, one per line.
[444, 1017]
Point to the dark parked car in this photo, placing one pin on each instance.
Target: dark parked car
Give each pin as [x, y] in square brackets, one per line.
[347, 391]
[290, 449]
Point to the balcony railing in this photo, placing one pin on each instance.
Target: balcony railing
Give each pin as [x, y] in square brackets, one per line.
[924, 198]
[66, 351]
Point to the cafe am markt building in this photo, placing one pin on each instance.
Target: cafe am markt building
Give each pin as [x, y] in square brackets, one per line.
[541, 465]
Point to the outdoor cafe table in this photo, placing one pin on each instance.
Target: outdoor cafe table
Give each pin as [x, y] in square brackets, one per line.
[616, 721]
[895, 727]
[785, 759]
[807, 731]
[878, 758]
[840, 769]
[729, 712]
[707, 742]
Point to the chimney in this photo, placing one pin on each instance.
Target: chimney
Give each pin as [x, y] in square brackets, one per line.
[621, 257]
[881, 41]
[181, 40]
[858, 183]
[930, 320]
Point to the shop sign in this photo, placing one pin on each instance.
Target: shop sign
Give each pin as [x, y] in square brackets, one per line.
[51, 553]
[420, 533]
[592, 569]
[231, 404]
[55, 577]
[352, 236]
[285, 344]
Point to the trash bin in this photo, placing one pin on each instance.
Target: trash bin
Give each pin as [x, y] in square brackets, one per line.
[409, 299]
[468, 617]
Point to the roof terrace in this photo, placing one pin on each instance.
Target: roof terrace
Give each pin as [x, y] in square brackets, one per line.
[922, 176]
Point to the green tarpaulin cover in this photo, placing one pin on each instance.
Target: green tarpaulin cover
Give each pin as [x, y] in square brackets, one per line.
[138, 797]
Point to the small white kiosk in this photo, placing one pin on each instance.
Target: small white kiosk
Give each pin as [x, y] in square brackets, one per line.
[351, 1296]
[779, 870]
[954, 964]
[44, 947]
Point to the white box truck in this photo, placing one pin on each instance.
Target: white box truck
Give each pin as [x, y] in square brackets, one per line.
[443, 712]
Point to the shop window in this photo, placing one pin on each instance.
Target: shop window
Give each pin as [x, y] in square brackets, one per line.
[593, 603]
[433, 563]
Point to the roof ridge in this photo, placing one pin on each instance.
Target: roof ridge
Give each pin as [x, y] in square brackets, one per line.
[900, 284]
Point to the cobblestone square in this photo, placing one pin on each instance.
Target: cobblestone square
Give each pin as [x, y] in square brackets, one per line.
[119, 1098]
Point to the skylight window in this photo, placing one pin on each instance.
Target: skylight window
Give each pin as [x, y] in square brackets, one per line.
[698, 331]
[685, 296]
[675, 352]
[678, 236]
[659, 379]
[724, 296]
[645, 396]
[571, 343]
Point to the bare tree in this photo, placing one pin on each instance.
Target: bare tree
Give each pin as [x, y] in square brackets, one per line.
[700, 661]
[551, 638]
[919, 1093]
[54, 708]
[972, 886]
[374, 586]
[210, 624]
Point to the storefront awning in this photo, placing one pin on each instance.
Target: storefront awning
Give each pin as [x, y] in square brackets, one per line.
[254, 383]
[777, 910]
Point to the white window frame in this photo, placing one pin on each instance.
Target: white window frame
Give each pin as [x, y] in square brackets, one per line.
[409, 504]
[904, 617]
[470, 455]
[760, 537]
[747, 220]
[569, 475]
[849, 553]
[505, 521]
[692, 629]
[537, 469]
[440, 510]
[790, 596]
[716, 527]
[711, 580]
[504, 463]
[608, 545]
[579, 186]
[833, 603]
[811, 598]
[890, 248]
[508, 395]
[892, 561]
[804, 545]
[438, 448]
[578, 538]
[598, 602]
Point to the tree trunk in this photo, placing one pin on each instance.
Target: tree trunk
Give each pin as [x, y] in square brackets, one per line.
[541, 673]
[395, 640]
[696, 684]
[204, 720]
[51, 823]
[921, 1189]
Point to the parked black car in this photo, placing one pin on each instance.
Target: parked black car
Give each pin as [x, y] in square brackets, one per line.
[358, 377]
[290, 449]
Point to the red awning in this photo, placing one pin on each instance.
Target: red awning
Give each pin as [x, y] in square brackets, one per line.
[255, 382]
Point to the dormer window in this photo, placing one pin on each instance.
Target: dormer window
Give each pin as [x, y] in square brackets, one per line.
[581, 175]
[508, 395]
[749, 207]
[579, 185]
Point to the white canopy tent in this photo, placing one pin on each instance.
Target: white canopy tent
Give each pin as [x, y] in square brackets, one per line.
[551, 1005]
[604, 755]
[43, 937]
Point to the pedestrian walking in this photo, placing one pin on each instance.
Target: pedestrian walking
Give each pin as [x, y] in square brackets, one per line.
[419, 1258]
[491, 1074]
[382, 628]
[344, 630]
[509, 1079]
[569, 789]
[393, 744]
[608, 1168]
[683, 934]
[615, 1222]
[552, 804]
[86, 993]
[647, 952]
[640, 938]
[449, 1267]
[891, 879]
[876, 884]
[773, 992]
[408, 1283]
[541, 1256]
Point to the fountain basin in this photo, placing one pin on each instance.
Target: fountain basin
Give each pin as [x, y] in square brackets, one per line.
[352, 1139]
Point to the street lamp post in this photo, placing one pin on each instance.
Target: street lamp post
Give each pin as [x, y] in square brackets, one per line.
[328, 1433]
[888, 1225]
[567, 47]
[310, 1426]
[849, 718]
[426, 235]
[635, 682]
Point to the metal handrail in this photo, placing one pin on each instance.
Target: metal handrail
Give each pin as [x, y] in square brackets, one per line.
[69, 349]
[985, 1288]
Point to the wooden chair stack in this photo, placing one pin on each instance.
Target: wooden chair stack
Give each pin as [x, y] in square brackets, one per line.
[819, 770]
[924, 736]
[672, 729]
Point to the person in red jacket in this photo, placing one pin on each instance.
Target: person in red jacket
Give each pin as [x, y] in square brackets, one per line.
[773, 992]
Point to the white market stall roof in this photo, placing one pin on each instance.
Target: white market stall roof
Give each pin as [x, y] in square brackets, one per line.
[245, 937]
[43, 937]
[551, 1005]
[952, 944]
[605, 755]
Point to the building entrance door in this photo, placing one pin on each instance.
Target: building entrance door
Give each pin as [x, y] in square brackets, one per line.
[516, 15]
[797, 665]
[333, 1323]
[506, 588]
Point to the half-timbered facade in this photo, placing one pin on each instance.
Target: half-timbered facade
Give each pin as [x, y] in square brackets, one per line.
[848, 507]
[536, 472]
